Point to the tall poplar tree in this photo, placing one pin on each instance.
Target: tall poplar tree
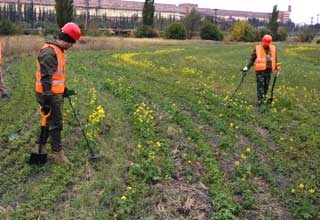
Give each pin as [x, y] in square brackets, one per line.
[148, 12]
[192, 22]
[64, 11]
[273, 22]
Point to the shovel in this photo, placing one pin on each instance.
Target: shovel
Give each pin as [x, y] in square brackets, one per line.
[40, 157]
[270, 100]
[92, 154]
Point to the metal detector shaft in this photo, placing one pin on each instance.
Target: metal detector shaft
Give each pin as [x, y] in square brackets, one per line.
[80, 125]
[238, 87]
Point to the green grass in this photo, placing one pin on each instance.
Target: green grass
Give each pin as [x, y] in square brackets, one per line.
[172, 148]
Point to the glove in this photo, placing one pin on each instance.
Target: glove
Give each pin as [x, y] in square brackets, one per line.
[46, 107]
[244, 69]
[68, 92]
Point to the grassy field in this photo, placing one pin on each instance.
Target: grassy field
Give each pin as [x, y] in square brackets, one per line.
[173, 148]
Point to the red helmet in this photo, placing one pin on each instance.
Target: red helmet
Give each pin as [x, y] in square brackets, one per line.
[72, 30]
[267, 39]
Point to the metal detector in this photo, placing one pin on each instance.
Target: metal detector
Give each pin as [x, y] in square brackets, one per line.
[93, 155]
[237, 88]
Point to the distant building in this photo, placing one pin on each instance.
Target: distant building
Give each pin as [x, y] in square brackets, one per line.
[120, 8]
[284, 16]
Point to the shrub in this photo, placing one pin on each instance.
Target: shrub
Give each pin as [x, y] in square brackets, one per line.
[283, 34]
[210, 31]
[7, 28]
[243, 31]
[147, 31]
[306, 36]
[176, 30]
[278, 36]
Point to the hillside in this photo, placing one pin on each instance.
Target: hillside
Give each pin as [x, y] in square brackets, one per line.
[175, 146]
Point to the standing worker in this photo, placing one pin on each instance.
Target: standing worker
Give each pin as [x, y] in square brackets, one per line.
[264, 59]
[3, 90]
[51, 84]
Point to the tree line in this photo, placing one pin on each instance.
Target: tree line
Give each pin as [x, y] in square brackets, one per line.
[17, 18]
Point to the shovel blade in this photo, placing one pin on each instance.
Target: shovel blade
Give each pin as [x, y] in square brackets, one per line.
[38, 158]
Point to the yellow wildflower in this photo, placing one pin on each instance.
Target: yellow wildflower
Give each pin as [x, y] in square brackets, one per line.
[151, 155]
[311, 190]
[124, 198]
[243, 156]
[301, 186]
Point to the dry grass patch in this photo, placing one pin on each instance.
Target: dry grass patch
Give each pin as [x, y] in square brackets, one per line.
[180, 201]
[29, 44]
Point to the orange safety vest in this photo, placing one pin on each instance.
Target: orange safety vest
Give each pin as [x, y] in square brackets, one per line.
[261, 60]
[58, 78]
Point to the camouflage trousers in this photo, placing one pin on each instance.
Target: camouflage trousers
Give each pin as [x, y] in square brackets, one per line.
[263, 80]
[54, 121]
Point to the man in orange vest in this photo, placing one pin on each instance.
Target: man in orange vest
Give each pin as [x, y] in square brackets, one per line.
[264, 59]
[3, 90]
[51, 87]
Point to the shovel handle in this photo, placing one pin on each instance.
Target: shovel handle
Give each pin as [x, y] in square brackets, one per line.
[44, 116]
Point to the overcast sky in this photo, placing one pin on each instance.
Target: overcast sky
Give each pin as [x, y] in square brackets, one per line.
[301, 10]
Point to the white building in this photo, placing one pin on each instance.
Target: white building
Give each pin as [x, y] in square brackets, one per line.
[119, 8]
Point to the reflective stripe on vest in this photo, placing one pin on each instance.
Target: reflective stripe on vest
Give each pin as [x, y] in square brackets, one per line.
[58, 77]
[261, 60]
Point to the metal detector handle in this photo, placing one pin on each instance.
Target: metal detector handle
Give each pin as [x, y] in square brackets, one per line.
[244, 73]
[80, 125]
[243, 76]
